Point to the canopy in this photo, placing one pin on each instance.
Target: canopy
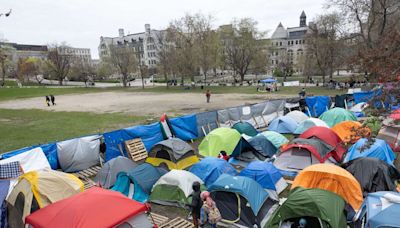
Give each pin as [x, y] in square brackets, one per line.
[268, 80]
[108, 173]
[245, 128]
[373, 174]
[95, 207]
[283, 125]
[351, 131]
[337, 115]
[275, 138]
[331, 178]
[297, 116]
[220, 139]
[363, 148]
[263, 146]
[246, 187]
[210, 168]
[314, 202]
[309, 123]
[381, 209]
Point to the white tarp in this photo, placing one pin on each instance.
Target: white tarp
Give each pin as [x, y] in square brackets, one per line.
[79, 154]
[181, 178]
[292, 83]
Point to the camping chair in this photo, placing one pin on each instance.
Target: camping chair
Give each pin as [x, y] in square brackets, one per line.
[136, 150]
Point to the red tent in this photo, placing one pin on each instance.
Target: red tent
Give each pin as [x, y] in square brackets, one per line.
[328, 136]
[395, 115]
[95, 207]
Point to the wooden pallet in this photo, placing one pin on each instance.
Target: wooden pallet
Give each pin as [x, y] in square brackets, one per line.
[178, 223]
[136, 150]
[88, 183]
[158, 219]
[87, 173]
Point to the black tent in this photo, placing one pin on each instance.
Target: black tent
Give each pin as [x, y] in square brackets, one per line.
[373, 174]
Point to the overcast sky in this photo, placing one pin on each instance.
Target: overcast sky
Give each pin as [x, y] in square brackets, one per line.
[80, 23]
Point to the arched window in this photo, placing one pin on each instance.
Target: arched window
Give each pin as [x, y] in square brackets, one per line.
[300, 52]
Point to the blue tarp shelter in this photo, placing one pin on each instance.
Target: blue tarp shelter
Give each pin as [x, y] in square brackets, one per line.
[283, 125]
[379, 149]
[268, 80]
[380, 209]
[263, 145]
[185, 127]
[210, 168]
[317, 105]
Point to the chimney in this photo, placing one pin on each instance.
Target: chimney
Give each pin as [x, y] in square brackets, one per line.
[147, 28]
[121, 32]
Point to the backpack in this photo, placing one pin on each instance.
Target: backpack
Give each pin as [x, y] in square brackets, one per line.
[214, 216]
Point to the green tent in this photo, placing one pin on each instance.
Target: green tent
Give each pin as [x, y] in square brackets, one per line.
[220, 139]
[337, 115]
[245, 128]
[275, 138]
[321, 208]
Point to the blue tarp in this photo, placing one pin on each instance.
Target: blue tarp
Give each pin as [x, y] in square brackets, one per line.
[363, 96]
[264, 173]
[268, 80]
[150, 135]
[244, 186]
[380, 149]
[210, 168]
[318, 105]
[283, 125]
[185, 127]
[50, 150]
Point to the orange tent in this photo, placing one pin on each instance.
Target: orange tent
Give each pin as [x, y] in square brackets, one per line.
[351, 131]
[331, 178]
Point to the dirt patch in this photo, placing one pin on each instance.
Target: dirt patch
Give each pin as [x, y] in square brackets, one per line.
[138, 103]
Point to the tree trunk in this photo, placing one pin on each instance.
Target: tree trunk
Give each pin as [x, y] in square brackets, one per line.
[141, 75]
[124, 80]
[205, 78]
[241, 77]
[60, 81]
[3, 71]
[166, 79]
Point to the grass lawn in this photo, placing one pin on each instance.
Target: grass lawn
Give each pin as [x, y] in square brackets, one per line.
[21, 128]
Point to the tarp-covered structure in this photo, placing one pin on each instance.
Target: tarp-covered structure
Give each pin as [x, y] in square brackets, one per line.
[275, 138]
[375, 148]
[245, 128]
[283, 125]
[37, 189]
[351, 131]
[309, 123]
[317, 105]
[337, 115]
[174, 153]
[297, 116]
[107, 175]
[79, 154]
[374, 175]
[263, 146]
[210, 168]
[331, 178]
[174, 188]
[267, 176]
[95, 207]
[241, 200]
[322, 209]
[380, 209]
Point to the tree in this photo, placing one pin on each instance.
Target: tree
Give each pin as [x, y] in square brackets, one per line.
[59, 62]
[103, 70]
[123, 58]
[284, 66]
[374, 30]
[166, 54]
[28, 68]
[261, 61]
[4, 62]
[82, 71]
[241, 46]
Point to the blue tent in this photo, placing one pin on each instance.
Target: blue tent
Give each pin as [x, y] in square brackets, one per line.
[318, 105]
[264, 173]
[268, 80]
[4, 186]
[210, 168]
[283, 125]
[380, 149]
[380, 209]
[244, 186]
[143, 177]
[263, 145]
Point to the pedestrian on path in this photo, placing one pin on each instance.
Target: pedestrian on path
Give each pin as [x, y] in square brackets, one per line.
[53, 99]
[47, 100]
[208, 96]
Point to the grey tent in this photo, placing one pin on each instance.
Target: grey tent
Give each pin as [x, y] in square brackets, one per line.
[79, 154]
[108, 173]
[173, 149]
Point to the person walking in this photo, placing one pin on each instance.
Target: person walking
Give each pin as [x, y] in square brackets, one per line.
[197, 203]
[47, 100]
[210, 215]
[208, 96]
[53, 99]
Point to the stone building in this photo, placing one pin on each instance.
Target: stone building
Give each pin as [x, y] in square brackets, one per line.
[81, 55]
[19, 51]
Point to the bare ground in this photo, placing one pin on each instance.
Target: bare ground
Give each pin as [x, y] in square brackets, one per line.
[138, 103]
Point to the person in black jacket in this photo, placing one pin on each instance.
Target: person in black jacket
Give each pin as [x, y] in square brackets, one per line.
[197, 203]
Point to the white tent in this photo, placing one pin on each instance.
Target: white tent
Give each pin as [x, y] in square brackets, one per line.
[297, 116]
[180, 178]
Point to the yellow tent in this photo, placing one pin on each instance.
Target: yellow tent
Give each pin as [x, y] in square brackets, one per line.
[331, 178]
[351, 131]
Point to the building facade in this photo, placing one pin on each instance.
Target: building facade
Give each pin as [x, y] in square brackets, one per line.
[287, 47]
[145, 44]
[21, 51]
[81, 55]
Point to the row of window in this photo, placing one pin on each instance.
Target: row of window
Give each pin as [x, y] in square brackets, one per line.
[290, 42]
[151, 47]
[152, 61]
[151, 54]
[290, 52]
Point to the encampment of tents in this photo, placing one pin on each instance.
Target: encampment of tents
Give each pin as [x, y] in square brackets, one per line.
[275, 138]
[351, 131]
[309, 123]
[95, 207]
[337, 115]
[283, 125]
[241, 200]
[319, 207]
[331, 178]
[375, 148]
[245, 128]
[174, 153]
[297, 116]
[107, 175]
[210, 168]
[263, 146]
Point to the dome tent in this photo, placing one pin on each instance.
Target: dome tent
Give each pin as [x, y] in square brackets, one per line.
[275, 138]
[351, 131]
[263, 146]
[283, 125]
[297, 116]
[210, 168]
[337, 115]
[379, 149]
[245, 128]
[309, 123]
[108, 173]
